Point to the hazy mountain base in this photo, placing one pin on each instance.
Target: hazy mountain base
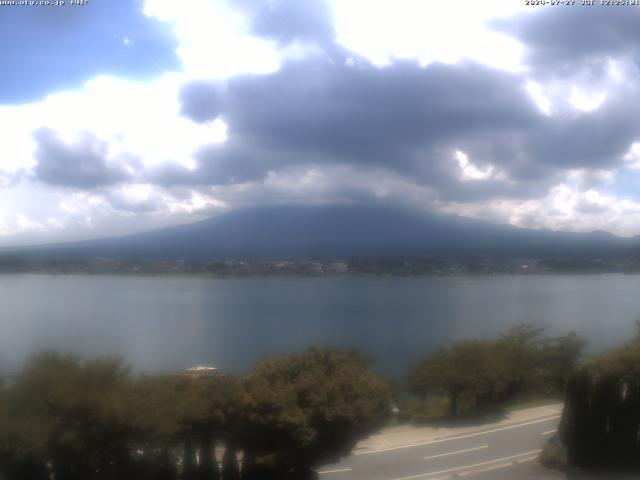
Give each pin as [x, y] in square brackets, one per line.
[343, 232]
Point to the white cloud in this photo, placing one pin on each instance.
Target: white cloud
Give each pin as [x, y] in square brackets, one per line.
[585, 101]
[17, 148]
[539, 97]
[135, 119]
[214, 39]
[196, 202]
[469, 171]
[445, 32]
[565, 207]
[632, 158]
[25, 224]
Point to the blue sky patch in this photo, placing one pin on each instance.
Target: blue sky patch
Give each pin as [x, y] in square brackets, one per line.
[52, 48]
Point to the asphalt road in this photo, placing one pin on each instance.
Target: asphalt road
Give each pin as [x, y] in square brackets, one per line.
[477, 453]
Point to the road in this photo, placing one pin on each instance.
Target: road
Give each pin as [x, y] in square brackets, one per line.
[490, 449]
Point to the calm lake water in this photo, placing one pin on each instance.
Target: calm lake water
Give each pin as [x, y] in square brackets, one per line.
[169, 323]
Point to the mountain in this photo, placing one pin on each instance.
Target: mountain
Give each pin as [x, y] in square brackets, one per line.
[341, 232]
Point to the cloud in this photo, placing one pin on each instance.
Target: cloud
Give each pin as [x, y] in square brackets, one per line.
[289, 20]
[562, 41]
[61, 47]
[83, 164]
[598, 139]
[403, 118]
[564, 207]
[135, 198]
[279, 102]
[385, 30]
[214, 38]
[199, 101]
[218, 164]
[408, 120]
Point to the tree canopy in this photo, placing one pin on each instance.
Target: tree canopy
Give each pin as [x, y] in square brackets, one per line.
[312, 407]
[482, 375]
[94, 420]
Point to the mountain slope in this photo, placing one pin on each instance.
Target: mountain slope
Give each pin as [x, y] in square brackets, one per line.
[343, 231]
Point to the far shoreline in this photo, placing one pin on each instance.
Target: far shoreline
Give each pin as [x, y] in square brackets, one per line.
[392, 266]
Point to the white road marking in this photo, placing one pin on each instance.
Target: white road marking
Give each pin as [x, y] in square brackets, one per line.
[528, 459]
[548, 432]
[422, 475]
[455, 453]
[491, 468]
[475, 434]
[337, 470]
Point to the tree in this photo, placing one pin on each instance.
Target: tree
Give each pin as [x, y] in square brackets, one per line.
[73, 416]
[601, 418]
[466, 369]
[304, 409]
[152, 407]
[93, 420]
[560, 358]
[486, 374]
[206, 408]
[520, 355]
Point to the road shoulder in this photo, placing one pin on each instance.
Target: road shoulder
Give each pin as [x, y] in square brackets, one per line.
[406, 435]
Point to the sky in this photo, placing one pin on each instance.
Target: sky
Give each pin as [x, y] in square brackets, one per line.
[119, 116]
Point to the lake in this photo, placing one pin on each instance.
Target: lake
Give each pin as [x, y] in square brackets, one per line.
[169, 323]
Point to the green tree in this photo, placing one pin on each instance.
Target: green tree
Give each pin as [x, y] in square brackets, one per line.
[560, 357]
[519, 351]
[93, 420]
[304, 409]
[156, 420]
[466, 370]
[481, 376]
[72, 416]
[206, 409]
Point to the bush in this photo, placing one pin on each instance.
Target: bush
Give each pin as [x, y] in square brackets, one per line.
[554, 455]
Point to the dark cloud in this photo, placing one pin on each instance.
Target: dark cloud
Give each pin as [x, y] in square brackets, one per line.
[408, 120]
[402, 118]
[563, 40]
[289, 20]
[236, 162]
[591, 140]
[200, 101]
[81, 165]
[369, 114]
[338, 109]
[218, 164]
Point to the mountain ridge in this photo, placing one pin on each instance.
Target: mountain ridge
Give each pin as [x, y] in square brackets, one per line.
[340, 232]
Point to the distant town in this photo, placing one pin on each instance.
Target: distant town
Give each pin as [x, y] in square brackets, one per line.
[316, 267]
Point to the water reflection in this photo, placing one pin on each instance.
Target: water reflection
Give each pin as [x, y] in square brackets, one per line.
[168, 323]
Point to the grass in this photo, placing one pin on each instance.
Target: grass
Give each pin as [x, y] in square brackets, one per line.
[521, 404]
[436, 409]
